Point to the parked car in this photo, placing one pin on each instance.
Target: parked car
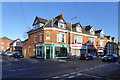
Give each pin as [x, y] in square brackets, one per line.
[8, 54]
[17, 54]
[100, 54]
[1, 52]
[86, 56]
[110, 57]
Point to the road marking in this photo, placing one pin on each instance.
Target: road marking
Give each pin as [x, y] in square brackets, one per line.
[79, 74]
[71, 76]
[65, 75]
[55, 77]
[73, 73]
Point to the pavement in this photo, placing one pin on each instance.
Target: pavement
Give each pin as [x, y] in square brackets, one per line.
[59, 69]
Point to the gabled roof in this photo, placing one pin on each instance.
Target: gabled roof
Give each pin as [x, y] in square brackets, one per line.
[40, 19]
[60, 16]
[108, 37]
[113, 38]
[98, 31]
[88, 27]
[74, 25]
[14, 41]
[5, 38]
[25, 40]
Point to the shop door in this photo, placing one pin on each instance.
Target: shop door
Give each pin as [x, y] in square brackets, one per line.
[47, 52]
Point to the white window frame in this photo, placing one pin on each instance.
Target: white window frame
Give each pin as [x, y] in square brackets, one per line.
[78, 28]
[92, 31]
[91, 40]
[59, 37]
[59, 25]
[101, 42]
[76, 37]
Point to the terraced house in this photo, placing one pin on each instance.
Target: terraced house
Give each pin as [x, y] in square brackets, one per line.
[53, 38]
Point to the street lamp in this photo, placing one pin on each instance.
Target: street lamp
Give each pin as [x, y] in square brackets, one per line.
[71, 35]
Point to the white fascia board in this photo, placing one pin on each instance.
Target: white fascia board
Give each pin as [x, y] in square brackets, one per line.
[84, 34]
[53, 28]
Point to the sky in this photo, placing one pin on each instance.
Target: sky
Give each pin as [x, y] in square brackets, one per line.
[18, 17]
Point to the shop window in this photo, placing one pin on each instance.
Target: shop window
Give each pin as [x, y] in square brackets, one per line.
[61, 52]
[110, 51]
[110, 46]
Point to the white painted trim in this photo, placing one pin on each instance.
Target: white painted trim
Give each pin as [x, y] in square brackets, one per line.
[50, 28]
[82, 34]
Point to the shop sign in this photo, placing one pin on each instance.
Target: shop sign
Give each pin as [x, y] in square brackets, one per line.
[60, 45]
[37, 45]
[76, 46]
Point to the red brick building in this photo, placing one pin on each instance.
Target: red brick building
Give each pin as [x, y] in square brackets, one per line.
[53, 38]
[4, 43]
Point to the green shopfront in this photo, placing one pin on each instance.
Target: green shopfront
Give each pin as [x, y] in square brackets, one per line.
[52, 51]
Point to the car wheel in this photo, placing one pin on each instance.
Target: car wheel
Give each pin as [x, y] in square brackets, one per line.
[112, 60]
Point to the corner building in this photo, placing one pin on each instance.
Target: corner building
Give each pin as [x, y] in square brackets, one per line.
[50, 39]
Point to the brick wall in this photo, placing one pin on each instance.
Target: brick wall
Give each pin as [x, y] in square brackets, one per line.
[5, 45]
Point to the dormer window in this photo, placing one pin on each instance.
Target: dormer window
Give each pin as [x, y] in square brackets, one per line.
[102, 34]
[61, 24]
[92, 31]
[78, 28]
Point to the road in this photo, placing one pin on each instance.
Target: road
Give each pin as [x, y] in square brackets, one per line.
[59, 69]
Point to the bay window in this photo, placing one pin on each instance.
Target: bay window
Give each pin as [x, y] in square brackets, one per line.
[91, 41]
[61, 37]
[78, 39]
[101, 42]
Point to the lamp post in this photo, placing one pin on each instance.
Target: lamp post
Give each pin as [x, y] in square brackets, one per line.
[71, 36]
